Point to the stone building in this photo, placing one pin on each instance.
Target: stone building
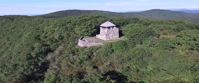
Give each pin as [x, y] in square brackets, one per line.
[108, 31]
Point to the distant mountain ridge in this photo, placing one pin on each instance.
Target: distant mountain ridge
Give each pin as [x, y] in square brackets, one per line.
[165, 15]
[157, 14]
[195, 11]
[78, 13]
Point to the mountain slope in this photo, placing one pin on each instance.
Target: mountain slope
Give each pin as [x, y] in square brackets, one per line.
[78, 13]
[164, 15]
[155, 14]
[196, 11]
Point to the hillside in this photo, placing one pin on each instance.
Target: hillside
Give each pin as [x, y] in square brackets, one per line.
[39, 49]
[165, 15]
[195, 11]
[154, 14]
[79, 13]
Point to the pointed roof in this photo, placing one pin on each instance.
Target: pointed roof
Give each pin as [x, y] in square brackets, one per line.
[107, 24]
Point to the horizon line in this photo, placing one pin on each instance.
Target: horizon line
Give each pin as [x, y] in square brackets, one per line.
[174, 9]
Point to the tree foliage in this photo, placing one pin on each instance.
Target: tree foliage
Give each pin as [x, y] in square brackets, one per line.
[38, 49]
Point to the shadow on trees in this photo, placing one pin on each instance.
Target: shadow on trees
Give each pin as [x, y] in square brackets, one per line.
[97, 31]
[116, 76]
[38, 75]
[39, 63]
[120, 31]
[81, 75]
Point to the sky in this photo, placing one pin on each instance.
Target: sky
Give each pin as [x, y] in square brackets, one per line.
[36, 7]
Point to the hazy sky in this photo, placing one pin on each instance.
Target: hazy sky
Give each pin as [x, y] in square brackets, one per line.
[31, 7]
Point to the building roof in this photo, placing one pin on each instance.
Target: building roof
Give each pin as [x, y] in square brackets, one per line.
[107, 24]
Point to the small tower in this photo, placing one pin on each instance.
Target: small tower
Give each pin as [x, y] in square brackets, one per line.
[108, 31]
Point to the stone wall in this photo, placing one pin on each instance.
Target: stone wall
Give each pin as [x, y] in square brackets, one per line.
[89, 42]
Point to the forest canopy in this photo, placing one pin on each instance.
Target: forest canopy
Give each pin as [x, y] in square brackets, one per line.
[40, 49]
